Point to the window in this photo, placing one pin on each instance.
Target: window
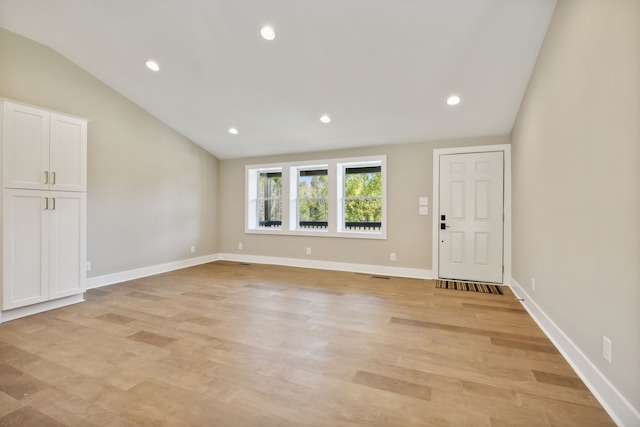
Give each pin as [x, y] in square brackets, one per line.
[313, 199]
[264, 209]
[270, 199]
[334, 198]
[362, 202]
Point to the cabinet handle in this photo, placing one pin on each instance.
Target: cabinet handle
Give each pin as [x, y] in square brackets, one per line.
[46, 203]
[53, 199]
[46, 177]
[53, 178]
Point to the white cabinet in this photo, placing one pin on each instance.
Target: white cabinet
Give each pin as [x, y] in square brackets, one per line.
[43, 209]
[43, 150]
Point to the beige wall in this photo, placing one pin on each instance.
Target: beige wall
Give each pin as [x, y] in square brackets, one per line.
[152, 193]
[409, 176]
[576, 183]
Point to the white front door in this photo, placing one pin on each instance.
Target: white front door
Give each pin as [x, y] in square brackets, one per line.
[471, 226]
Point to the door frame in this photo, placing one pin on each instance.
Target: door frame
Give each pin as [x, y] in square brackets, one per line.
[506, 235]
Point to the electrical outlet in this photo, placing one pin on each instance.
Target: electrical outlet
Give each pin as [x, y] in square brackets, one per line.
[533, 284]
[239, 246]
[308, 251]
[393, 256]
[193, 249]
[87, 266]
[606, 348]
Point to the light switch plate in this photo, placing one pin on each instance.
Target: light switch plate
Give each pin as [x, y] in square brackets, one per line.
[424, 210]
[424, 201]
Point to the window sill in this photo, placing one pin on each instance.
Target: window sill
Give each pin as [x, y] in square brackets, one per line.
[320, 233]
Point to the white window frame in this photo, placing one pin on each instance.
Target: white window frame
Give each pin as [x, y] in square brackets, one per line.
[252, 222]
[341, 175]
[294, 217]
[335, 174]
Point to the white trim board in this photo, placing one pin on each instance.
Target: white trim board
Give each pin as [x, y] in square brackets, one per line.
[506, 149]
[413, 273]
[123, 276]
[30, 310]
[110, 279]
[618, 408]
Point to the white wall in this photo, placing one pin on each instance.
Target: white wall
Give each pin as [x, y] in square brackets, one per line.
[576, 185]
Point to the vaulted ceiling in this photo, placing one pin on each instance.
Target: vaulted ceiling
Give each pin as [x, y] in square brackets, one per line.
[382, 70]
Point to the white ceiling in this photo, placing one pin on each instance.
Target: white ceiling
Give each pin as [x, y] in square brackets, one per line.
[382, 69]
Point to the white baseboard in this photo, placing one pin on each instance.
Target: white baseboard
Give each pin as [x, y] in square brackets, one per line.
[620, 410]
[123, 276]
[30, 310]
[110, 279]
[381, 270]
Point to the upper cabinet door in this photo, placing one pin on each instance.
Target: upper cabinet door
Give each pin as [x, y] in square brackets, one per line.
[68, 154]
[26, 147]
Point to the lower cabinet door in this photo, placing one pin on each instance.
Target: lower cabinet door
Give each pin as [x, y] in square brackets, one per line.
[26, 248]
[67, 244]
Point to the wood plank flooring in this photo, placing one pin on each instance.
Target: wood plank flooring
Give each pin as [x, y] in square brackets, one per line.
[228, 344]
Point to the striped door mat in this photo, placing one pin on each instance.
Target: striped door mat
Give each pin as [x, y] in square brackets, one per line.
[469, 286]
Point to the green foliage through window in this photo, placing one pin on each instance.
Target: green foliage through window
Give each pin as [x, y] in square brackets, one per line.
[313, 203]
[363, 198]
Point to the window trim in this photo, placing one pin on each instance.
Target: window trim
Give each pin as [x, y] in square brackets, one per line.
[342, 174]
[294, 224]
[335, 172]
[252, 222]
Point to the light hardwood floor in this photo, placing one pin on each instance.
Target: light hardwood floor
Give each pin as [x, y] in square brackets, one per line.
[227, 344]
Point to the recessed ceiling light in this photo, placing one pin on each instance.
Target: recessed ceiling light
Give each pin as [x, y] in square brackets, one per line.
[233, 131]
[453, 100]
[153, 65]
[268, 33]
[325, 119]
